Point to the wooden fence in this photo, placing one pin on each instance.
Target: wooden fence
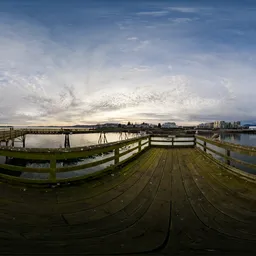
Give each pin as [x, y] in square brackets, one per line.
[6, 135]
[127, 149]
[228, 148]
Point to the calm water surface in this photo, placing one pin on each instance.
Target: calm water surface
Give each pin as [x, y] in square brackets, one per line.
[242, 139]
[79, 140]
[76, 140]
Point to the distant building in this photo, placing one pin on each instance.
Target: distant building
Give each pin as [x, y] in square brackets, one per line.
[219, 125]
[252, 127]
[144, 125]
[236, 125]
[169, 125]
[109, 125]
[206, 126]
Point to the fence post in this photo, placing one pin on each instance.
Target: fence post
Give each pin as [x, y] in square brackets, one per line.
[53, 169]
[228, 155]
[116, 155]
[139, 146]
[204, 146]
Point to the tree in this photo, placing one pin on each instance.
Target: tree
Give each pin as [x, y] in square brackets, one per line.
[159, 125]
[119, 125]
[129, 123]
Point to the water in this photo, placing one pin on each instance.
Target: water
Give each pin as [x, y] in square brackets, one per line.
[57, 141]
[241, 139]
[79, 140]
[76, 140]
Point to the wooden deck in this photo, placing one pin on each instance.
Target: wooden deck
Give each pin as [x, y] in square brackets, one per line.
[166, 202]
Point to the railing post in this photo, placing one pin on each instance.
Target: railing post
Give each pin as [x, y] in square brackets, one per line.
[116, 155]
[228, 155]
[204, 146]
[139, 149]
[53, 169]
[195, 141]
[149, 141]
[172, 141]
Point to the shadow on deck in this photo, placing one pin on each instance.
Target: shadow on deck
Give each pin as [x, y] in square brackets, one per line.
[168, 201]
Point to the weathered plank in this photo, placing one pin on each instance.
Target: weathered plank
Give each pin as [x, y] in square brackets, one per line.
[167, 201]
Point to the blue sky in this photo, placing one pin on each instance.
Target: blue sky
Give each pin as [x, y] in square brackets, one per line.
[67, 62]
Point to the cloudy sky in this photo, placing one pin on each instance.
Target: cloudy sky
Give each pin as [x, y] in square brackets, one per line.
[73, 61]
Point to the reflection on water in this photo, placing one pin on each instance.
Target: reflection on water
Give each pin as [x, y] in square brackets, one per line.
[242, 139]
[76, 140]
[237, 138]
[79, 140]
[57, 141]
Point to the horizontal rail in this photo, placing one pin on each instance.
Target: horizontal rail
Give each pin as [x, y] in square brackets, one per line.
[253, 166]
[24, 169]
[174, 135]
[53, 156]
[174, 141]
[84, 166]
[250, 151]
[128, 151]
[172, 146]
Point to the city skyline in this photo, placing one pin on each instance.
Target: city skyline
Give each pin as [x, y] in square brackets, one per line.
[71, 62]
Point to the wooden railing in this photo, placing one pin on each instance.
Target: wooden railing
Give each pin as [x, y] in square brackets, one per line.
[180, 141]
[228, 148]
[113, 152]
[6, 135]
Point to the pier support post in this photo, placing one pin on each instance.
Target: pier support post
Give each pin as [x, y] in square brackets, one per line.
[67, 141]
[53, 170]
[139, 149]
[149, 141]
[102, 139]
[228, 155]
[204, 146]
[24, 141]
[116, 155]
[194, 142]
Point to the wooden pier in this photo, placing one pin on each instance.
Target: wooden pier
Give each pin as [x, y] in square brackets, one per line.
[169, 198]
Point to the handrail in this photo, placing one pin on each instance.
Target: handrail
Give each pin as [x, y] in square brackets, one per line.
[247, 150]
[54, 155]
[229, 147]
[114, 152]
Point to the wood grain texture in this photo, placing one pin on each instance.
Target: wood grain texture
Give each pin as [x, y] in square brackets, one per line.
[165, 202]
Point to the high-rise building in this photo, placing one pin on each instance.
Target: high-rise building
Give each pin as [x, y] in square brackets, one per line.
[219, 124]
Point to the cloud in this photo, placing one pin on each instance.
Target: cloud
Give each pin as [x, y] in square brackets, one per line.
[181, 20]
[132, 38]
[184, 9]
[153, 13]
[150, 70]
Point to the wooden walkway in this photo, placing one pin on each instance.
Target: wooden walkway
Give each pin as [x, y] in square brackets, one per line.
[166, 202]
